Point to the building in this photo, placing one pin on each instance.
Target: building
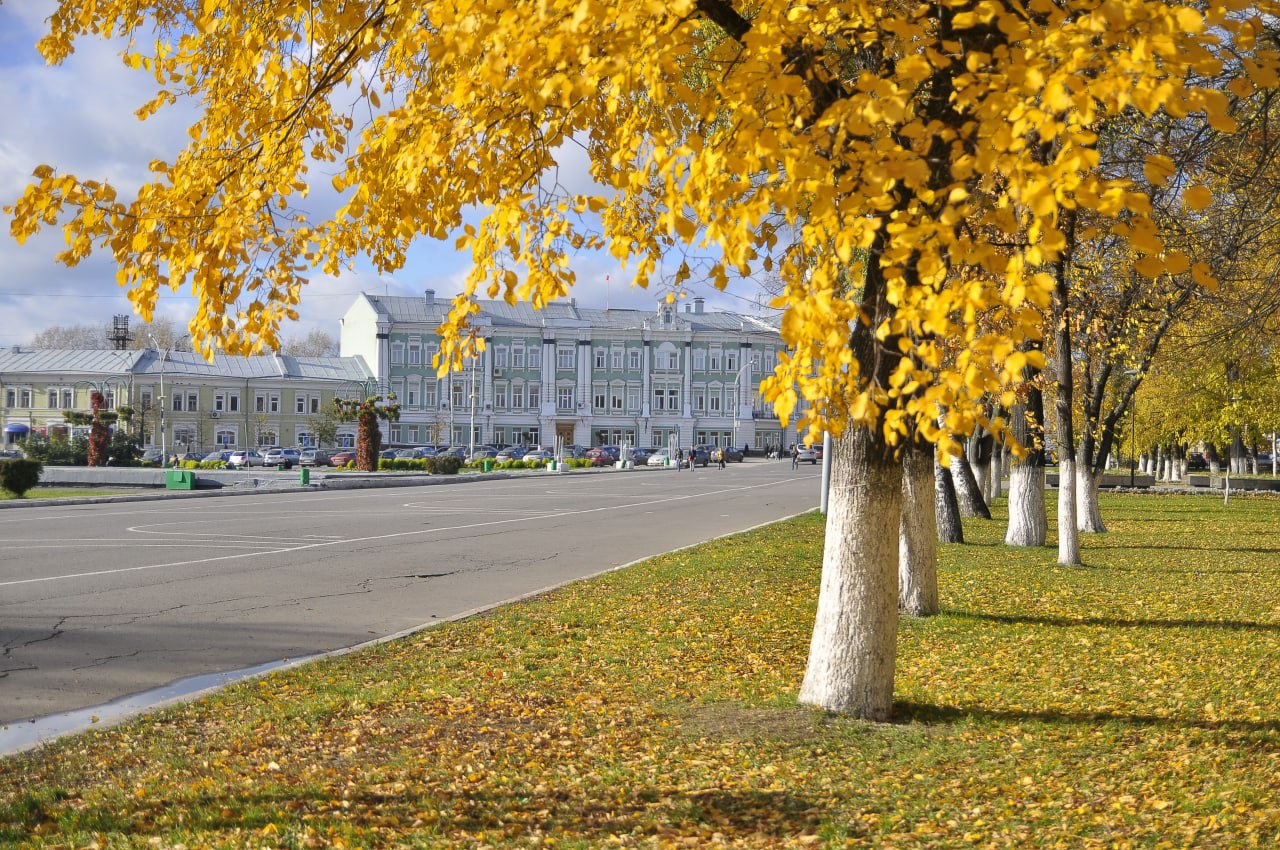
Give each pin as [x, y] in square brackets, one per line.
[233, 402]
[585, 376]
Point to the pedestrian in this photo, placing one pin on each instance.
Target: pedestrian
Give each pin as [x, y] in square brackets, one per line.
[679, 458]
[795, 456]
[720, 457]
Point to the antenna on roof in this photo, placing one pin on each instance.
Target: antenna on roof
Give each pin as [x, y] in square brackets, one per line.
[119, 335]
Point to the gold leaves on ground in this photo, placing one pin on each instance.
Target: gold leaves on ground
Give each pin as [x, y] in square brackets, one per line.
[1129, 703]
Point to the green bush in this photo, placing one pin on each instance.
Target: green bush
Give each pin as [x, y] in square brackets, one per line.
[56, 451]
[443, 465]
[18, 475]
[211, 464]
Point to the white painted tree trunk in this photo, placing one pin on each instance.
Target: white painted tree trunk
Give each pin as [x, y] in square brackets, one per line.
[1028, 520]
[1068, 533]
[918, 535]
[999, 460]
[852, 652]
[1088, 510]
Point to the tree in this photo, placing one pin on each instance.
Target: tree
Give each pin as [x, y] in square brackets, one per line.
[316, 343]
[778, 136]
[71, 337]
[366, 413]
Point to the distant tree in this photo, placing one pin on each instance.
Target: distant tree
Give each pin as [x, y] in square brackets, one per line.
[80, 337]
[366, 414]
[316, 343]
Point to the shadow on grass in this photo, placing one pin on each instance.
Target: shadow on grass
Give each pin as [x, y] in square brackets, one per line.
[1027, 620]
[1209, 546]
[908, 712]
[580, 812]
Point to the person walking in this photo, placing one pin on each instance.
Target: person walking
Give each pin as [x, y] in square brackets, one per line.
[795, 456]
[720, 458]
[680, 458]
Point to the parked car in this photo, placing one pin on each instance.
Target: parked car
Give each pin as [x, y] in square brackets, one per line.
[149, 456]
[314, 457]
[601, 455]
[192, 456]
[512, 453]
[701, 455]
[217, 456]
[342, 458]
[387, 454]
[287, 458]
[425, 451]
[732, 454]
[659, 458]
[460, 452]
[806, 454]
[540, 455]
[482, 453]
[244, 458]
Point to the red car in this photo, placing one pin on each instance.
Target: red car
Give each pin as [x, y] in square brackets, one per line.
[342, 458]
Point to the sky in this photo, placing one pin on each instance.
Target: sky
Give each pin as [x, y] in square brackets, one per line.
[79, 118]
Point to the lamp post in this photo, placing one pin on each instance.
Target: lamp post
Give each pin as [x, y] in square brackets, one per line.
[164, 441]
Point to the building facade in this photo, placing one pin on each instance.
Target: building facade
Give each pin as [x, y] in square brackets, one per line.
[585, 376]
[179, 401]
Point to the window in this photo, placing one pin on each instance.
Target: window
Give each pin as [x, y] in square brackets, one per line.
[306, 439]
[266, 439]
[265, 403]
[598, 400]
[615, 358]
[755, 361]
[53, 399]
[615, 400]
[225, 437]
[715, 360]
[17, 397]
[300, 403]
[768, 361]
[500, 396]
[397, 354]
[188, 401]
[633, 359]
[600, 358]
[69, 399]
[699, 360]
[517, 357]
[713, 400]
[346, 440]
[633, 399]
[313, 403]
[411, 400]
[429, 394]
[109, 400]
[184, 437]
[564, 398]
[415, 354]
[517, 397]
[260, 403]
[393, 433]
[564, 358]
[273, 403]
[455, 395]
[535, 396]
[673, 399]
[535, 358]
[731, 361]
[500, 357]
[699, 399]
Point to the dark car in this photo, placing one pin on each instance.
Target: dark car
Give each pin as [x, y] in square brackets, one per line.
[314, 457]
[731, 454]
[701, 455]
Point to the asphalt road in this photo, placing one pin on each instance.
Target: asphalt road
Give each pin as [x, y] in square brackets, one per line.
[100, 601]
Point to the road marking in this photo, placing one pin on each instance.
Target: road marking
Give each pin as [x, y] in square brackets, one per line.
[389, 536]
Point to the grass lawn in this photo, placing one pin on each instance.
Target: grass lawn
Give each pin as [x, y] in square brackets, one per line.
[1132, 703]
[60, 493]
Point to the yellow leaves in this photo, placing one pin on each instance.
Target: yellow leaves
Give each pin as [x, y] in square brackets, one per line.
[1197, 198]
[1158, 169]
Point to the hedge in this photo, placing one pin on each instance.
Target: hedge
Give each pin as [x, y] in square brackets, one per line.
[18, 475]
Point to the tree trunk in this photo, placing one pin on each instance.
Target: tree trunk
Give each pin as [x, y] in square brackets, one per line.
[1028, 523]
[1215, 461]
[852, 653]
[918, 534]
[971, 501]
[946, 505]
[979, 461]
[1088, 509]
[998, 462]
[368, 442]
[1068, 533]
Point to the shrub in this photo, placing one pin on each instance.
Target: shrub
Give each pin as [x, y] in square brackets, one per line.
[18, 475]
[211, 464]
[443, 465]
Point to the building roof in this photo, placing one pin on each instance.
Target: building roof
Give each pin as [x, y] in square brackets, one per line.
[432, 311]
[19, 359]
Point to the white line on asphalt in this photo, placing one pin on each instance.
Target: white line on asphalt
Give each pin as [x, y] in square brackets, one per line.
[391, 536]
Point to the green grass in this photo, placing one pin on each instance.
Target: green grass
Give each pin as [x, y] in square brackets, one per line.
[60, 493]
[1131, 703]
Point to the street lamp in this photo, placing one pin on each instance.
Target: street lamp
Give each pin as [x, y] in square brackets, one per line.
[164, 442]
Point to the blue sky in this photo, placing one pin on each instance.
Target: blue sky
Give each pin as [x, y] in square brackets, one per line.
[79, 118]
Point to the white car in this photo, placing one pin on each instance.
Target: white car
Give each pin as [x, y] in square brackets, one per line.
[288, 458]
[541, 455]
[807, 453]
[660, 458]
[243, 458]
